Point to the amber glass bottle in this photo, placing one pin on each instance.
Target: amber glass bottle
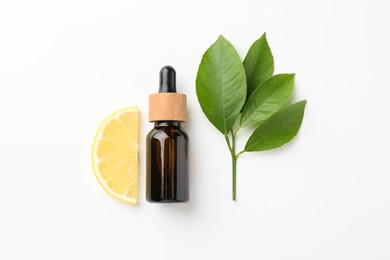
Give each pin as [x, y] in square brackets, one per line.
[167, 144]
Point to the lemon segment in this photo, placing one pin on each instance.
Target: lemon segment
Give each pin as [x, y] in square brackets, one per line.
[115, 155]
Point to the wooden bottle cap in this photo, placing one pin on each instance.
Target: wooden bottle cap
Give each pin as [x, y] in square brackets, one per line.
[167, 107]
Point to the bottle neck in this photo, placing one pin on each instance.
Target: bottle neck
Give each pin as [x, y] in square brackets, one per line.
[167, 123]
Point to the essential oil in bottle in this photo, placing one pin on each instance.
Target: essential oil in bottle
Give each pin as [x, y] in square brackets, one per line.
[167, 143]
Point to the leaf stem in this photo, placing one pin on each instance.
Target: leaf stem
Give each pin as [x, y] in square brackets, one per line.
[233, 142]
[228, 143]
[234, 176]
[235, 131]
[234, 164]
[243, 151]
[232, 148]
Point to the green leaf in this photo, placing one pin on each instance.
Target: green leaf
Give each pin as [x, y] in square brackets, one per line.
[258, 64]
[220, 85]
[277, 130]
[268, 98]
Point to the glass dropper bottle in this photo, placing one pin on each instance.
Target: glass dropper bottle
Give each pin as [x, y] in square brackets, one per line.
[167, 143]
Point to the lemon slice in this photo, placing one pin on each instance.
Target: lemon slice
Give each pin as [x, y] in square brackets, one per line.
[115, 155]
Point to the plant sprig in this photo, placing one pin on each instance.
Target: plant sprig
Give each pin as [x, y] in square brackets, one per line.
[235, 94]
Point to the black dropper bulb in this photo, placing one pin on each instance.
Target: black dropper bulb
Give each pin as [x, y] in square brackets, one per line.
[167, 80]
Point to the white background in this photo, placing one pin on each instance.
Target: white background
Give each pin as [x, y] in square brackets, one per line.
[66, 65]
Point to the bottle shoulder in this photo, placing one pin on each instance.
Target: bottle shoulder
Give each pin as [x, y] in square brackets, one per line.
[161, 132]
